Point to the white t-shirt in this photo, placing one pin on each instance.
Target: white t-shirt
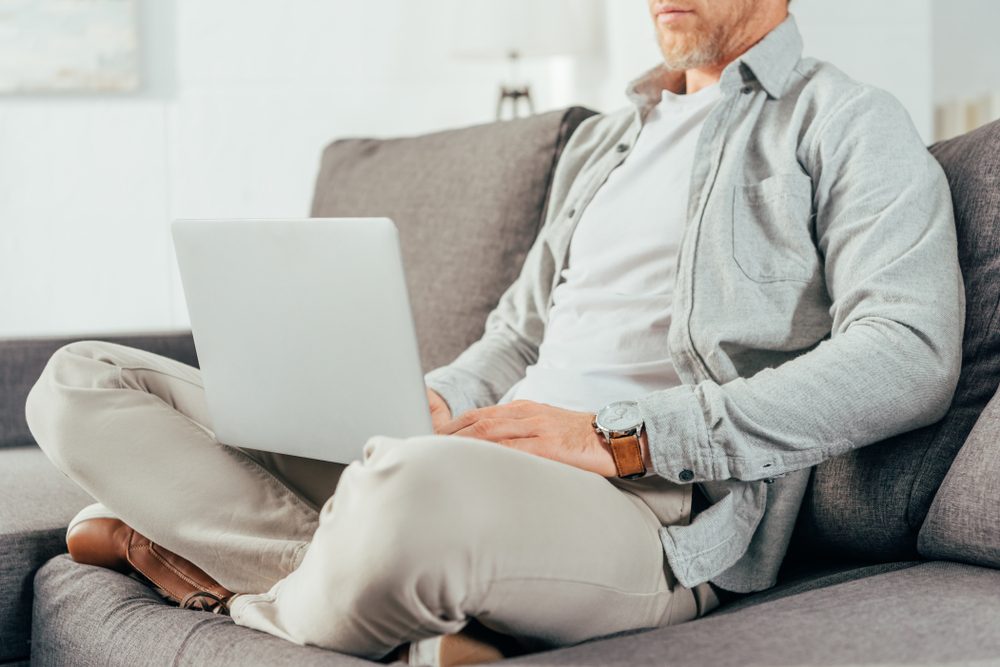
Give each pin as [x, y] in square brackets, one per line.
[606, 338]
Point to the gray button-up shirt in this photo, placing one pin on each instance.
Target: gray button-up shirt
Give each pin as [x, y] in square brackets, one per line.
[818, 303]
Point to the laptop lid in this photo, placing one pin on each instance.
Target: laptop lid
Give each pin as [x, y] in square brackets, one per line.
[304, 333]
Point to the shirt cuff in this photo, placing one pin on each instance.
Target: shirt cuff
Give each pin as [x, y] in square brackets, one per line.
[679, 444]
[447, 383]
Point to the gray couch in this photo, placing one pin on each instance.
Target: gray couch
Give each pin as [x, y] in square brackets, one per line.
[893, 560]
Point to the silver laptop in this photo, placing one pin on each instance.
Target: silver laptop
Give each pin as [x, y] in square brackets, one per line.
[304, 333]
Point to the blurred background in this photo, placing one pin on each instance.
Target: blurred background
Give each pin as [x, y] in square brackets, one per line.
[220, 108]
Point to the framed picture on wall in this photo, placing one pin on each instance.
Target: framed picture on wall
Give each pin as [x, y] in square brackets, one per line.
[69, 46]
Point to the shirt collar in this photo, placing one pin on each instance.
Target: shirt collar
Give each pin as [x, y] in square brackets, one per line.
[770, 61]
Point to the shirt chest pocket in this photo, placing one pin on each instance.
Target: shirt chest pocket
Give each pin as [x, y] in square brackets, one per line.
[771, 229]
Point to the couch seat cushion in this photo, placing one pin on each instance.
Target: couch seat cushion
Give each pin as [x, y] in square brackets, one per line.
[86, 615]
[36, 504]
[913, 614]
[935, 613]
[811, 578]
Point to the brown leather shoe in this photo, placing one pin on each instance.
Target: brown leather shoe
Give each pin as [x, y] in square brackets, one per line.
[111, 543]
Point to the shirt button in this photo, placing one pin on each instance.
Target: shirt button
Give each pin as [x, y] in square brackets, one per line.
[746, 90]
[621, 148]
[686, 475]
[571, 213]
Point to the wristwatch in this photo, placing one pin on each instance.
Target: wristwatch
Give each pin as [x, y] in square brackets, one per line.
[621, 425]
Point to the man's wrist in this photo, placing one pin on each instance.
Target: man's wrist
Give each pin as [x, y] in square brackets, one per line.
[610, 470]
[647, 461]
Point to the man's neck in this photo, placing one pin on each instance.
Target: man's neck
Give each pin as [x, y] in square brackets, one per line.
[703, 77]
[696, 79]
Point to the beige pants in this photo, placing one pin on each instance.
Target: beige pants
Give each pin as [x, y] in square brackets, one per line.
[421, 535]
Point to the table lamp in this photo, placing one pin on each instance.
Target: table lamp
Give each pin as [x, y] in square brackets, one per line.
[514, 29]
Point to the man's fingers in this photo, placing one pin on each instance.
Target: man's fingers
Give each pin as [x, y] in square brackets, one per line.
[514, 410]
[439, 422]
[499, 429]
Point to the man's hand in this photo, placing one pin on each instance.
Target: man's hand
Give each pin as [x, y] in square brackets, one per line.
[540, 429]
[440, 414]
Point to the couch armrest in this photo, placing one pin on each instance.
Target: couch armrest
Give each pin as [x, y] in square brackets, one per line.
[22, 361]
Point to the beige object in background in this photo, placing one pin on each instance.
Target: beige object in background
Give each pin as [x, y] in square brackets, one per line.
[963, 115]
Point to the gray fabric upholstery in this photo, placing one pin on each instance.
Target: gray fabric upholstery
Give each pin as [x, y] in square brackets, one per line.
[811, 579]
[964, 521]
[87, 616]
[919, 615]
[468, 204]
[36, 503]
[870, 503]
[932, 614]
[22, 360]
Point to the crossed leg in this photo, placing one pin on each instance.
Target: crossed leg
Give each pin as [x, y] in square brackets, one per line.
[132, 429]
[421, 535]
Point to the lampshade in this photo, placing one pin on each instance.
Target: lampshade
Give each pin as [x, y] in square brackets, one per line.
[533, 28]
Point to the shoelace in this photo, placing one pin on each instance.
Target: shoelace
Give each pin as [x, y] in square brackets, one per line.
[205, 601]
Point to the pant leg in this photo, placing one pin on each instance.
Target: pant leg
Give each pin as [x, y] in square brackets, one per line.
[133, 430]
[428, 532]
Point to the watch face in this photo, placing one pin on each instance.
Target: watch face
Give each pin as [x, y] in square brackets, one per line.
[619, 416]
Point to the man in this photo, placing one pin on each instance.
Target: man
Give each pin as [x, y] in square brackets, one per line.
[750, 270]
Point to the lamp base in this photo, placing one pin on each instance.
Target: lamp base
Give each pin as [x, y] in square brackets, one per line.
[513, 97]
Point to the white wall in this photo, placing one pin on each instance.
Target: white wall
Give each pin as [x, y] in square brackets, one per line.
[83, 202]
[632, 48]
[885, 43]
[239, 98]
[241, 95]
[966, 48]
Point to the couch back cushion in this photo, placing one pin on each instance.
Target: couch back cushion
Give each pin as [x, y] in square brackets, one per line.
[468, 204]
[871, 503]
[964, 520]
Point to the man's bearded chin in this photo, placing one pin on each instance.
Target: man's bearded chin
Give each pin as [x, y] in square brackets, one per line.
[685, 51]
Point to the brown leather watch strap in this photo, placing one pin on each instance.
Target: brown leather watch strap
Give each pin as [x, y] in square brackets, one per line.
[627, 453]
